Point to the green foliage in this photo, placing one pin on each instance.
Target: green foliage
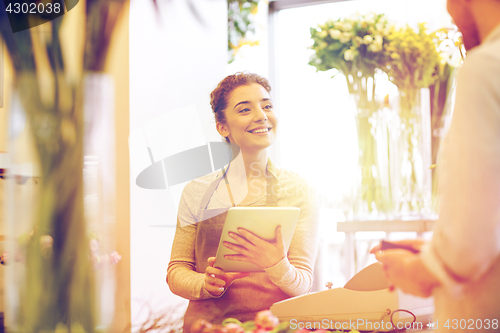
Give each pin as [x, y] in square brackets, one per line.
[241, 23]
[359, 44]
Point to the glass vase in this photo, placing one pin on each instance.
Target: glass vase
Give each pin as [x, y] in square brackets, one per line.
[414, 181]
[99, 193]
[60, 230]
[49, 282]
[372, 195]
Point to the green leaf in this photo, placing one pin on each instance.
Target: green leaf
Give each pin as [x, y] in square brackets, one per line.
[335, 46]
[282, 327]
[249, 326]
[231, 321]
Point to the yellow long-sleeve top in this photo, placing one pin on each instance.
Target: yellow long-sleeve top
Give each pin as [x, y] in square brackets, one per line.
[293, 274]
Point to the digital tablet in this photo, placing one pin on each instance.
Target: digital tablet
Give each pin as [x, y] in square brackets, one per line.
[262, 221]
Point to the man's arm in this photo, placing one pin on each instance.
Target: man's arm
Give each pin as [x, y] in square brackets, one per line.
[466, 239]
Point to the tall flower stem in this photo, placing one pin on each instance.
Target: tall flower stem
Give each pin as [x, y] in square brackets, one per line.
[373, 196]
[58, 284]
[411, 185]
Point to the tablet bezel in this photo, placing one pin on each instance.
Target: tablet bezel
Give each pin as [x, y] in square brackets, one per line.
[262, 221]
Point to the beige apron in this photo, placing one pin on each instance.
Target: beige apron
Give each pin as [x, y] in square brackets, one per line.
[244, 297]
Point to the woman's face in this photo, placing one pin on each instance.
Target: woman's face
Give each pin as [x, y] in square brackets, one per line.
[250, 120]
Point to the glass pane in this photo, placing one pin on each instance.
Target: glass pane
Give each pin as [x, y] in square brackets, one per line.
[317, 130]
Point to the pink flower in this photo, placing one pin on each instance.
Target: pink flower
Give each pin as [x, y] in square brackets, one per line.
[260, 330]
[234, 328]
[114, 258]
[266, 320]
[201, 325]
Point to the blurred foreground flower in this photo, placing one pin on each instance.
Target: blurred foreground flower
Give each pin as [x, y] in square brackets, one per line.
[99, 260]
[264, 322]
[4, 258]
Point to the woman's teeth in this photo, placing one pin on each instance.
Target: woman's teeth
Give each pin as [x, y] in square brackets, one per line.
[260, 130]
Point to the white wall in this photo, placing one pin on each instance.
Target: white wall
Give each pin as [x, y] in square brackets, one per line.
[176, 59]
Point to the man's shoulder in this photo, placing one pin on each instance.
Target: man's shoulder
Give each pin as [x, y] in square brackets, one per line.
[484, 59]
[480, 72]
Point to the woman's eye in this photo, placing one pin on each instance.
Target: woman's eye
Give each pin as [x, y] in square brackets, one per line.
[268, 107]
[245, 110]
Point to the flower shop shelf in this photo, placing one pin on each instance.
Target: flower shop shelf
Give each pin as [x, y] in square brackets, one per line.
[351, 227]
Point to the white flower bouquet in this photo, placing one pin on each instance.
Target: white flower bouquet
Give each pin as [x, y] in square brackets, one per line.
[351, 45]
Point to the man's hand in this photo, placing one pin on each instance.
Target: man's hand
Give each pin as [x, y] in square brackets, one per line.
[251, 248]
[413, 243]
[217, 281]
[406, 271]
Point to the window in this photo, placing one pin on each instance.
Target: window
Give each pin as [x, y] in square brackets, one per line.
[317, 131]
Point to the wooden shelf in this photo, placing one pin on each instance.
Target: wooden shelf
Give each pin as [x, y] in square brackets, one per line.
[387, 226]
[351, 227]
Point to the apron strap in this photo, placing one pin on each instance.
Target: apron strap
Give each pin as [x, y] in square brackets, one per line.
[210, 190]
[271, 187]
[229, 189]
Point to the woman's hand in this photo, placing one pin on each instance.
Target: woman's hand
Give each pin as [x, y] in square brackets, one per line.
[216, 280]
[251, 248]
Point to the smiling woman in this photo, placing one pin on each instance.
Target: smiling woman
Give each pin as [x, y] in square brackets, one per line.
[250, 121]
[244, 115]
